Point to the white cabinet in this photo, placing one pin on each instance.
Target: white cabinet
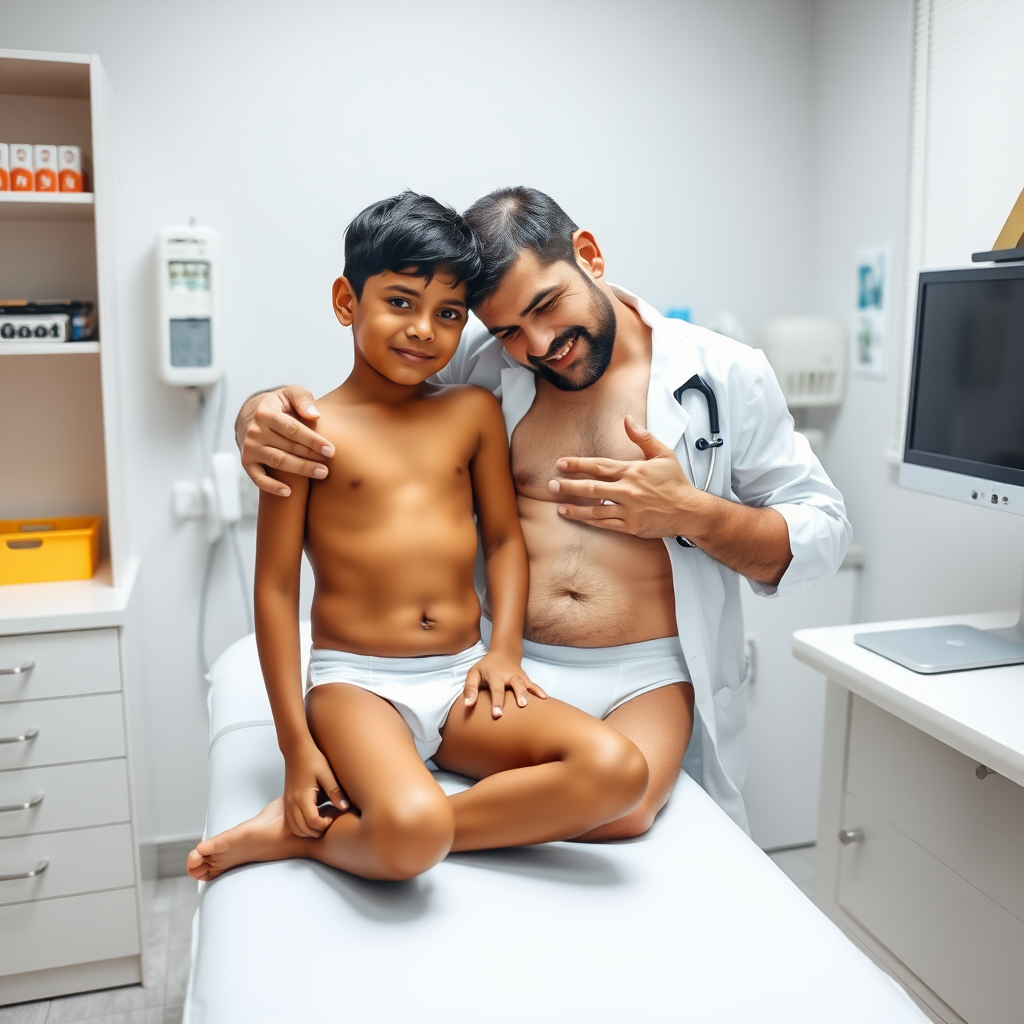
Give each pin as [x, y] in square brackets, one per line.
[786, 707]
[920, 853]
[70, 880]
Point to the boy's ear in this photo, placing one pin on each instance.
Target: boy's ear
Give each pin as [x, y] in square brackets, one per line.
[343, 298]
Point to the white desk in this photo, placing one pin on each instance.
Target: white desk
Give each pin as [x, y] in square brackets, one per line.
[930, 881]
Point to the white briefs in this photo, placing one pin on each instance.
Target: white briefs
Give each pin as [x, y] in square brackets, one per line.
[421, 690]
[600, 679]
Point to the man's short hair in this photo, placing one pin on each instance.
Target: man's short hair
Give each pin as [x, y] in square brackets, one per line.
[410, 233]
[509, 220]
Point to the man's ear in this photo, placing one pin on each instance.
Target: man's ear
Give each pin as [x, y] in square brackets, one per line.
[588, 253]
[343, 298]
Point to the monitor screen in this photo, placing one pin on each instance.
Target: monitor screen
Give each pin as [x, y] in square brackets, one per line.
[966, 410]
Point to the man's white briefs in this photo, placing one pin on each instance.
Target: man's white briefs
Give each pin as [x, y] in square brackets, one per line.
[600, 679]
[421, 690]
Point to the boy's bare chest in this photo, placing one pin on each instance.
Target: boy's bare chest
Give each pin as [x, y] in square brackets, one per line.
[373, 452]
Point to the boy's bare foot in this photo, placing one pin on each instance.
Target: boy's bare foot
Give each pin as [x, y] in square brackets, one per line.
[265, 837]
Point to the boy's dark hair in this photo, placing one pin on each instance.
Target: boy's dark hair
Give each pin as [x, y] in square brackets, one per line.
[410, 232]
[509, 220]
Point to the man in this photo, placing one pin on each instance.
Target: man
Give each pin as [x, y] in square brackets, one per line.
[634, 610]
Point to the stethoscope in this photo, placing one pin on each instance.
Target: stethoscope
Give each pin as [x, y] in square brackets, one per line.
[702, 444]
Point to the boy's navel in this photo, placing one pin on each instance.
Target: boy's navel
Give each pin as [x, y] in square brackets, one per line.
[356, 481]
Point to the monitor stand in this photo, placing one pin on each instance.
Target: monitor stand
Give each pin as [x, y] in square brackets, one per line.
[954, 648]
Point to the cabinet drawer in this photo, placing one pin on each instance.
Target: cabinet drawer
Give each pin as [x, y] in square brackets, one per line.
[75, 662]
[78, 929]
[932, 793]
[966, 947]
[70, 729]
[80, 861]
[73, 796]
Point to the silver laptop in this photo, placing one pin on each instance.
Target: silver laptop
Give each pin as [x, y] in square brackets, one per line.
[931, 649]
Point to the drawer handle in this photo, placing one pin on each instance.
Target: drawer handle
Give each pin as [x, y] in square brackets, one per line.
[28, 734]
[17, 545]
[37, 870]
[983, 773]
[851, 835]
[34, 801]
[18, 670]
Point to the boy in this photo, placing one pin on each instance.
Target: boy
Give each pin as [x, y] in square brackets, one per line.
[391, 536]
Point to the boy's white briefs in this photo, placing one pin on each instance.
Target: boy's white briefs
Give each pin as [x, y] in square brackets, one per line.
[421, 690]
[600, 679]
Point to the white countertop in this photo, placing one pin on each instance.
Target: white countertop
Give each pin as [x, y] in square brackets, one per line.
[980, 713]
[74, 604]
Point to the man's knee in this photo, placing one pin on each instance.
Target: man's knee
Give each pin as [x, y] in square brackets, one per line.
[411, 831]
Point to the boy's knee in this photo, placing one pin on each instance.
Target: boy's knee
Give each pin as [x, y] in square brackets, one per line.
[412, 832]
[619, 770]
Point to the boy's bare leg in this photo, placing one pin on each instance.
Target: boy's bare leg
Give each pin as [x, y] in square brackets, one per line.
[548, 771]
[660, 723]
[405, 823]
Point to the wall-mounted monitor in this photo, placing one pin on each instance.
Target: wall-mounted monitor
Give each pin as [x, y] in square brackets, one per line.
[965, 421]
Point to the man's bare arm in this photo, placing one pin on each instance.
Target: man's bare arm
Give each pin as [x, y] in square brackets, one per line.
[751, 541]
[271, 431]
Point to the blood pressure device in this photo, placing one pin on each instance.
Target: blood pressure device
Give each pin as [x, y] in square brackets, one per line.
[187, 284]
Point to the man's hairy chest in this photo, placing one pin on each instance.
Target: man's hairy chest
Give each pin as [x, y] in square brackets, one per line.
[552, 430]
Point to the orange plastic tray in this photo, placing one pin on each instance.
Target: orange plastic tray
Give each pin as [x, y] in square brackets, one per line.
[47, 550]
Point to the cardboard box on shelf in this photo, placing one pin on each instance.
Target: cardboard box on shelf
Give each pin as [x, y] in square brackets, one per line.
[22, 167]
[5, 167]
[70, 169]
[45, 158]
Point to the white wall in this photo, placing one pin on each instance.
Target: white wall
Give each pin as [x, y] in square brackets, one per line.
[925, 555]
[678, 131]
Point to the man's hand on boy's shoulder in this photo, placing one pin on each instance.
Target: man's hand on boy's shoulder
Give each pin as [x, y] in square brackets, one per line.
[499, 672]
[270, 436]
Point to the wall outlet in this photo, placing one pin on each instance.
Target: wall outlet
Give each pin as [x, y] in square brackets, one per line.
[188, 499]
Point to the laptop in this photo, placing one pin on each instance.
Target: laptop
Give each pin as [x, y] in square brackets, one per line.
[934, 649]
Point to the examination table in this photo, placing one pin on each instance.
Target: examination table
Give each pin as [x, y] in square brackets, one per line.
[691, 922]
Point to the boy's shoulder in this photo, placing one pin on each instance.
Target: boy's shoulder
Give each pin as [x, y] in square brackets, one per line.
[465, 396]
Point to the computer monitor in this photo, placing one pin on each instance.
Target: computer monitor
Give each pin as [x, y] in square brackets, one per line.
[965, 419]
[965, 435]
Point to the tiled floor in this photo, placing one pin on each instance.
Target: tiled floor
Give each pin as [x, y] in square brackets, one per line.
[798, 865]
[161, 1001]
[169, 938]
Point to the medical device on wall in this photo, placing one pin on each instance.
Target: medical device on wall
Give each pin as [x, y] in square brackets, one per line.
[808, 355]
[187, 282]
[965, 436]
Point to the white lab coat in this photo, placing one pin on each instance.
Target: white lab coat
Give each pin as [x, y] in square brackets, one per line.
[762, 462]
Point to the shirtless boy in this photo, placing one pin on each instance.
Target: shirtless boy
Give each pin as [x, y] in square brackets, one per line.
[391, 536]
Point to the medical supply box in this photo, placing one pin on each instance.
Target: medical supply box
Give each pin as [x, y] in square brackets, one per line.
[49, 550]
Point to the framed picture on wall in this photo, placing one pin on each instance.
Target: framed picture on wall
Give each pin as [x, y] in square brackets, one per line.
[870, 349]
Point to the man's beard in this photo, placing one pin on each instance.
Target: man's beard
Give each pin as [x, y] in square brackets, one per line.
[589, 365]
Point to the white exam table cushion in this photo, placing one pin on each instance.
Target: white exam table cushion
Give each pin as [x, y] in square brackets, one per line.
[691, 922]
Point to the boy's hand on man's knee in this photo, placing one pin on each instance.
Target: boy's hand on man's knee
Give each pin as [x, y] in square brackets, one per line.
[498, 673]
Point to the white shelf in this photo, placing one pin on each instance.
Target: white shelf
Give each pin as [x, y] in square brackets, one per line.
[47, 348]
[46, 206]
[74, 604]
